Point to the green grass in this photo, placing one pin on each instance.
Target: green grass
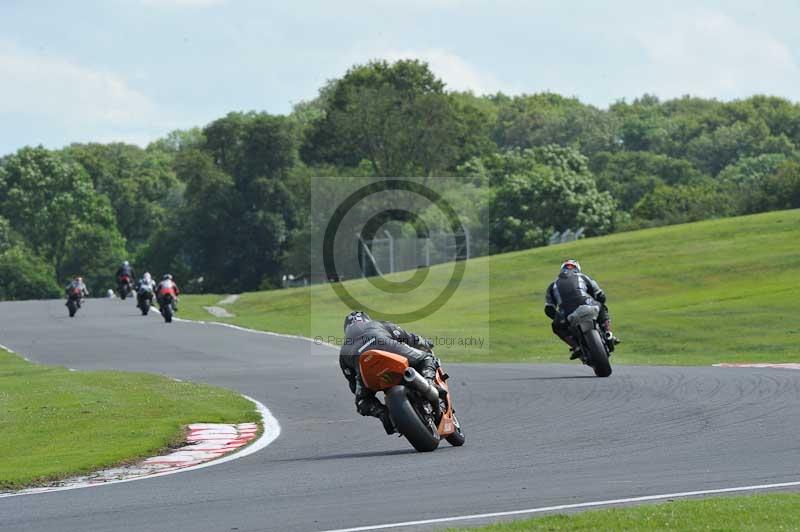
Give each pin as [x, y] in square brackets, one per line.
[754, 513]
[722, 290]
[56, 423]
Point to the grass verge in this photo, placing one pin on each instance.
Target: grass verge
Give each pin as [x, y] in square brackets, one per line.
[753, 513]
[55, 423]
[698, 293]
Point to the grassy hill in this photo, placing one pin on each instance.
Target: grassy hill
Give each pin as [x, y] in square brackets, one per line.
[722, 290]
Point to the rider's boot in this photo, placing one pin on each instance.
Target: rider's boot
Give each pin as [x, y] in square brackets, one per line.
[388, 426]
[574, 347]
[575, 352]
[370, 406]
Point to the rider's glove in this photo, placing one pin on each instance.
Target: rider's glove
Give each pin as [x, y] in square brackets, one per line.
[551, 312]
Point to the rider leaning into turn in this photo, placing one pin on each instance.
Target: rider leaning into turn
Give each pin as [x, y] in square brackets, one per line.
[362, 334]
[571, 289]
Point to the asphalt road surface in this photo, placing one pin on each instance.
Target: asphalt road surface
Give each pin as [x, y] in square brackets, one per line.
[537, 435]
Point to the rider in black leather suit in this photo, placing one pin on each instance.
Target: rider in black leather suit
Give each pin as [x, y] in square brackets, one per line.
[571, 289]
[361, 335]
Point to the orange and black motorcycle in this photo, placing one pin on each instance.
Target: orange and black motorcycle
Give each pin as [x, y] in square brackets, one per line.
[422, 413]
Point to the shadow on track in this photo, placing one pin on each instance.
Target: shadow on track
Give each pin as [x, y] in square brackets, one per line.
[346, 456]
[549, 378]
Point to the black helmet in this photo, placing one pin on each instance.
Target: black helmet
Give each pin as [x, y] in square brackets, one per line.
[355, 317]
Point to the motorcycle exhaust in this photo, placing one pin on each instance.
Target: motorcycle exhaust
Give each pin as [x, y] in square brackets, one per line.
[420, 383]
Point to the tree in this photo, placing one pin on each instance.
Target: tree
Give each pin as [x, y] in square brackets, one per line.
[395, 116]
[45, 198]
[780, 189]
[23, 275]
[629, 175]
[684, 203]
[546, 118]
[137, 182]
[549, 190]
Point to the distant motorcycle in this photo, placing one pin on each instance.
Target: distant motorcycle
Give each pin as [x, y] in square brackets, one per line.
[74, 301]
[594, 349]
[167, 307]
[422, 413]
[124, 286]
[144, 299]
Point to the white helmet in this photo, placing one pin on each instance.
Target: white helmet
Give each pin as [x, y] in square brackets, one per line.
[147, 277]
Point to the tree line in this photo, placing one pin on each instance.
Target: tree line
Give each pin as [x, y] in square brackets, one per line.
[226, 207]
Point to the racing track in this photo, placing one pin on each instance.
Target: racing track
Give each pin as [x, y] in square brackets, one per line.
[536, 435]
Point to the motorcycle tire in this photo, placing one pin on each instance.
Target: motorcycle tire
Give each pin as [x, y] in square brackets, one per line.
[145, 309]
[423, 436]
[166, 311]
[457, 438]
[72, 307]
[599, 354]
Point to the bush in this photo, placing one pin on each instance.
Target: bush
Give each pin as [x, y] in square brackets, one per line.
[24, 275]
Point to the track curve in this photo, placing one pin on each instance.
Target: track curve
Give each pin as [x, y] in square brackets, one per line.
[537, 435]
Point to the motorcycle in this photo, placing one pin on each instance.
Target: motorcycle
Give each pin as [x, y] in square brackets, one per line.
[144, 299]
[166, 307]
[74, 300]
[594, 349]
[124, 286]
[422, 413]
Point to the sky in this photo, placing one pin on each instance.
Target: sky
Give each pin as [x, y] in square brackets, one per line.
[133, 70]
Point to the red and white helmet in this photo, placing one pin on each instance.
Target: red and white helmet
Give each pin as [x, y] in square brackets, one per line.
[571, 265]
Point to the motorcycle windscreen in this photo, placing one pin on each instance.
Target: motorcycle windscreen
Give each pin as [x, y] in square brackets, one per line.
[381, 370]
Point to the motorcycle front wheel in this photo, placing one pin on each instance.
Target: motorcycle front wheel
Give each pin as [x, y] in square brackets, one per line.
[166, 311]
[457, 438]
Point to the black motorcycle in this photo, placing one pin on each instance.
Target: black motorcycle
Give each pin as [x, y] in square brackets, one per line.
[167, 307]
[144, 299]
[594, 348]
[74, 301]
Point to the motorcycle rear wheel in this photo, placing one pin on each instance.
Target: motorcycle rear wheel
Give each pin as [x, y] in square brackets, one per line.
[422, 435]
[597, 350]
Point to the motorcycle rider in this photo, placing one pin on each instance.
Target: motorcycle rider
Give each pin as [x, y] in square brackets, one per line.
[571, 289]
[146, 285]
[362, 334]
[77, 286]
[125, 269]
[165, 287]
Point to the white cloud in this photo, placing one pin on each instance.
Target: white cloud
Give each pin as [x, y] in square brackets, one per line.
[454, 70]
[51, 99]
[708, 53]
[53, 87]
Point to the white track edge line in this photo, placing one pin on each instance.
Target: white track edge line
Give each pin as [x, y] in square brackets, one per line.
[256, 331]
[579, 505]
[272, 430]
